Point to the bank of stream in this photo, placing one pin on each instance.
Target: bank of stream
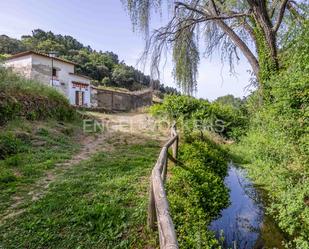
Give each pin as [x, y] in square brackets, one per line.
[244, 224]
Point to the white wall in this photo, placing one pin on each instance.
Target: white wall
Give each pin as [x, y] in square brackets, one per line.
[87, 91]
[21, 65]
[42, 71]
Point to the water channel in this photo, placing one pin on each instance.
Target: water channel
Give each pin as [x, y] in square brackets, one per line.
[244, 224]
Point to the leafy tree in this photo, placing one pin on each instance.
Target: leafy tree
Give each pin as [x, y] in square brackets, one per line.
[252, 27]
[167, 90]
[9, 45]
[48, 45]
[200, 115]
[123, 76]
[229, 100]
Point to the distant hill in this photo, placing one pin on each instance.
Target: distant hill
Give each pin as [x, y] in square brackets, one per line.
[104, 67]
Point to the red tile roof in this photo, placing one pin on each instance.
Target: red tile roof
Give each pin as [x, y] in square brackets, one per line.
[80, 75]
[40, 54]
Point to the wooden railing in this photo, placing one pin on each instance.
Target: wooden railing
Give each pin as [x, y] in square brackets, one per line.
[158, 209]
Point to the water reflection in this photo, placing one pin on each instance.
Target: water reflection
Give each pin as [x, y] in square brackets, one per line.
[243, 225]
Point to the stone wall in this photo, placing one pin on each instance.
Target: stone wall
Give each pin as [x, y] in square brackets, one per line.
[120, 101]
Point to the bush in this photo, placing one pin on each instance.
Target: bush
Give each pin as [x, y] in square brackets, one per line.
[9, 145]
[197, 193]
[6, 176]
[201, 115]
[30, 99]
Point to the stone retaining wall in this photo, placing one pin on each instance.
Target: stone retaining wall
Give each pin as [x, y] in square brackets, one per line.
[120, 101]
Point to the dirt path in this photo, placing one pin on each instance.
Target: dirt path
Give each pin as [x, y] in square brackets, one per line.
[123, 128]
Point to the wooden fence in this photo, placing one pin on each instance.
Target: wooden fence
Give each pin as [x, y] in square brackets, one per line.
[158, 209]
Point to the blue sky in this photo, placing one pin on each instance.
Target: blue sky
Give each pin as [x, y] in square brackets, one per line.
[104, 25]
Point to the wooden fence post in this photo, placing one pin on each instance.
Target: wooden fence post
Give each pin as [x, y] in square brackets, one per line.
[175, 148]
[151, 207]
[164, 171]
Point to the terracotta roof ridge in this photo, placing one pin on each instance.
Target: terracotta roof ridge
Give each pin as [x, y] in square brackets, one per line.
[81, 75]
[40, 54]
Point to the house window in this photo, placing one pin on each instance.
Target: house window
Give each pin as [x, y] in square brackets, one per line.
[54, 72]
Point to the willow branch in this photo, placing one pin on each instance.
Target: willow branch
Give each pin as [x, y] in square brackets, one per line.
[236, 39]
[208, 17]
[294, 12]
[281, 14]
[188, 7]
[273, 8]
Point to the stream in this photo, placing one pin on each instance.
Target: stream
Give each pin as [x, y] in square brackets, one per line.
[243, 224]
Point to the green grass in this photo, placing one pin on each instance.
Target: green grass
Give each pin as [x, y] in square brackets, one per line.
[100, 203]
[35, 148]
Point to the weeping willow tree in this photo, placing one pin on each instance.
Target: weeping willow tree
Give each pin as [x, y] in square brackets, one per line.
[252, 27]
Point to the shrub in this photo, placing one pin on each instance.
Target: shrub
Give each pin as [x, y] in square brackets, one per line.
[197, 193]
[9, 145]
[7, 176]
[201, 115]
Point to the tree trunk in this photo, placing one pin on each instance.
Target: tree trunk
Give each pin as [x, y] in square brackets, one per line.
[241, 45]
[265, 41]
[236, 40]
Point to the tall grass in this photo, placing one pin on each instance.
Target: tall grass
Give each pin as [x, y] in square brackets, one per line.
[20, 97]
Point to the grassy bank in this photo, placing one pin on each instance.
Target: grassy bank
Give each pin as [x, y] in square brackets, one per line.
[100, 203]
[38, 129]
[197, 193]
[196, 189]
[29, 149]
[276, 145]
[31, 100]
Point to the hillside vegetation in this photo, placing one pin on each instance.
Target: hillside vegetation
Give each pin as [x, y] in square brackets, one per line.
[104, 67]
[38, 128]
[277, 142]
[20, 97]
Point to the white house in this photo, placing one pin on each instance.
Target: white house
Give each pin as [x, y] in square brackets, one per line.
[55, 72]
